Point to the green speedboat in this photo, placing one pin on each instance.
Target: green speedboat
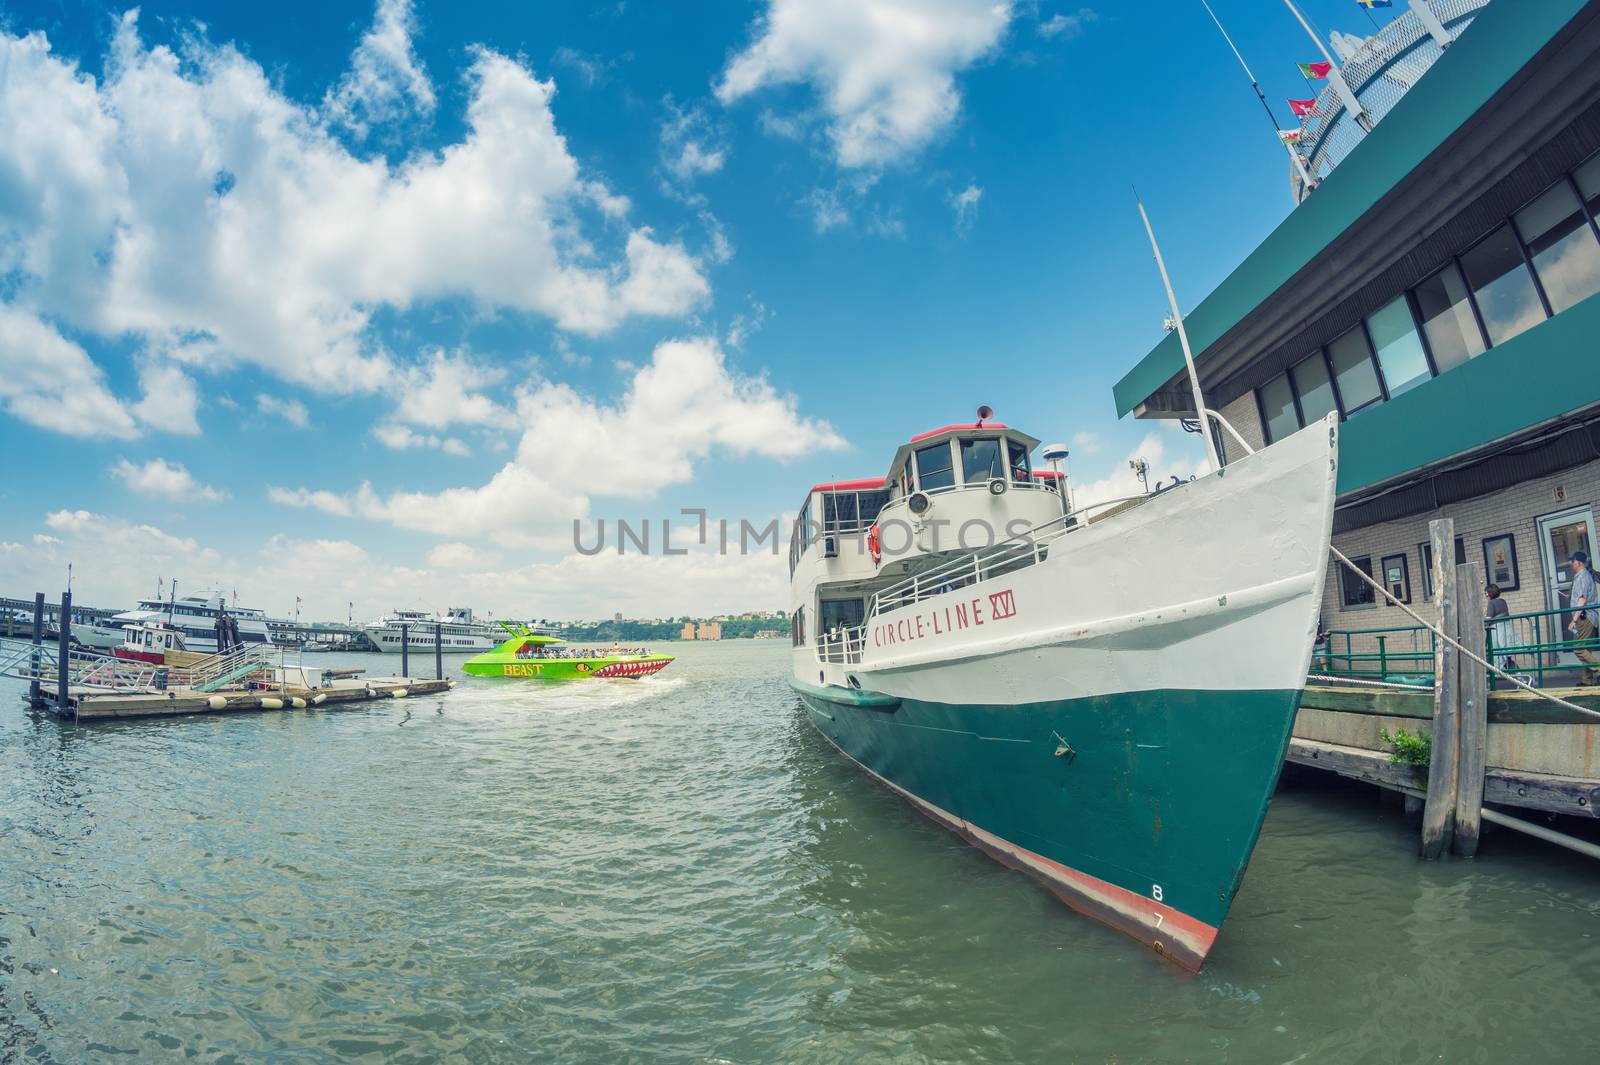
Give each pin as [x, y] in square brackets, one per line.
[533, 656]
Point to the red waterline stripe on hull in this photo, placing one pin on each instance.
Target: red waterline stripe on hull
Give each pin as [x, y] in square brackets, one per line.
[1169, 932]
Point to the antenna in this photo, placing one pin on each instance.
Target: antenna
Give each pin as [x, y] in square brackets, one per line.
[1183, 339]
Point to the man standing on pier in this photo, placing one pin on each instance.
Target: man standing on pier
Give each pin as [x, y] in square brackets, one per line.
[221, 629]
[1583, 623]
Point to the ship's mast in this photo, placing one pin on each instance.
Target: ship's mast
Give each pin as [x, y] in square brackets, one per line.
[1183, 340]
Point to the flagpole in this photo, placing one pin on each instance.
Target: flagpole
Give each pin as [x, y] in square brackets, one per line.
[1299, 163]
[1335, 73]
[1183, 340]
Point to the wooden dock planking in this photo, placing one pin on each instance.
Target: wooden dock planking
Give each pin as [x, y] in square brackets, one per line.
[1574, 796]
[105, 706]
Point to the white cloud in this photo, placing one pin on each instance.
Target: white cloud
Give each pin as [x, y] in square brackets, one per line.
[1186, 460]
[690, 145]
[171, 402]
[446, 390]
[1068, 26]
[163, 480]
[965, 203]
[1085, 442]
[327, 502]
[386, 80]
[884, 69]
[48, 381]
[462, 556]
[400, 438]
[593, 69]
[290, 410]
[680, 407]
[185, 202]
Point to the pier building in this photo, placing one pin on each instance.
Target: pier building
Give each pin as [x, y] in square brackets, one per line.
[1437, 289]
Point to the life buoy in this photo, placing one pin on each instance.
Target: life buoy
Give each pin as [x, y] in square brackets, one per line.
[874, 544]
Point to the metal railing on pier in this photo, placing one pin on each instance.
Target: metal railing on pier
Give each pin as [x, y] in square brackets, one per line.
[1534, 645]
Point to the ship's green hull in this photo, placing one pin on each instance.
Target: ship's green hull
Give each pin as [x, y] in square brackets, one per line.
[1140, 809]
[552, 668]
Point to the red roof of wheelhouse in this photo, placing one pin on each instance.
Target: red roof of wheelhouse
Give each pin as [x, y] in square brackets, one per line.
[861, 484]
[952, 428]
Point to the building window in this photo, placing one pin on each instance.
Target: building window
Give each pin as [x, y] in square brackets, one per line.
[1400, 353]
[1562, 245]
[1355, 593]
[1353, 371]
[934, 468]
[1425, 552]
[1447, 318]
[1315, 388]
[1277, 408]
[1502, 286]
[1396, 577]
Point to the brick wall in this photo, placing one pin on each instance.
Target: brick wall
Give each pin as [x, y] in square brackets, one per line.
[1512, 510]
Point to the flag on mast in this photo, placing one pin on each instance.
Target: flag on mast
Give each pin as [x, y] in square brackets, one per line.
[1370, 4]
[1290, 136]
[1315, 71]
[1302, 108]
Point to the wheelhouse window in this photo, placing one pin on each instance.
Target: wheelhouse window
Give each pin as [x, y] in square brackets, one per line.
[868, 504]
[1502, 286]
[1353, 370]
[838, 512]
[934, 467]
[1448, 319]
[1400, 353]
[1562, 245]
[980, 460]
[1356, 593]
[842, 614]
[1017, 459]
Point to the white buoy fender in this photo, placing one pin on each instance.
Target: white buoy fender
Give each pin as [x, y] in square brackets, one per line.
[268, 703]
[298, 703]
[319, 698]
[399, 693]
[217, 702]
[450, 684]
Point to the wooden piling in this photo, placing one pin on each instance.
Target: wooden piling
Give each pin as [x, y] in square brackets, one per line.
[405, 649]
[1439, 812]
[37, 661]
[64, 632]
[1473, 727]
[438, 652]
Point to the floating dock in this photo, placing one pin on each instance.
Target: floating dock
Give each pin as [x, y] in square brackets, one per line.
[92, 705]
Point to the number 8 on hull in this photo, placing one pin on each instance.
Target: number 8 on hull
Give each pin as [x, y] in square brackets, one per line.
[1100, 699]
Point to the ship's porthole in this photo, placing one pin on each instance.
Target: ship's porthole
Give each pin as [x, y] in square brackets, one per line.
[855, 682]
[822, 678]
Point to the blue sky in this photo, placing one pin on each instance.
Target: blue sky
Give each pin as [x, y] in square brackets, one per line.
[369, 303]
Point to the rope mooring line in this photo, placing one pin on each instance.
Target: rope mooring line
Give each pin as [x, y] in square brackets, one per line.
[1453, 642]
[1368, 683]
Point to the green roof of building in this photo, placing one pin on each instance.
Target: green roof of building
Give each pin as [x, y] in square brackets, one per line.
[1501, 40]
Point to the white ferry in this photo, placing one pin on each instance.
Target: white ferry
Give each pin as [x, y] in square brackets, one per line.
[459, 631]
[195, 616]
[1102, 699]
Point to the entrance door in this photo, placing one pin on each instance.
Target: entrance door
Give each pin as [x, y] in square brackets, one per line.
[1559, 536]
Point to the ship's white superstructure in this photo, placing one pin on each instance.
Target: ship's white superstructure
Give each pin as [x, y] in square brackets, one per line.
[196, 617]
[458, 631]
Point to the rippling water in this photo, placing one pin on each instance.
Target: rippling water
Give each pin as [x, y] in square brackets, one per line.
[678, 869]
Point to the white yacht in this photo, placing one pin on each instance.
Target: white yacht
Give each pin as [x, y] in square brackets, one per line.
[458, 631]
[195, 616]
